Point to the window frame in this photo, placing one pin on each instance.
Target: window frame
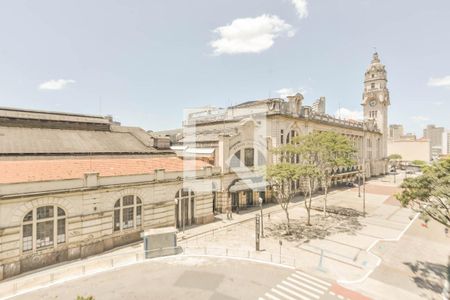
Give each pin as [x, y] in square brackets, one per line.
[136, 222]
[55, 219]
[249, 157]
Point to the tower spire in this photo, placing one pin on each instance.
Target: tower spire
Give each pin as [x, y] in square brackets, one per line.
[375, 58]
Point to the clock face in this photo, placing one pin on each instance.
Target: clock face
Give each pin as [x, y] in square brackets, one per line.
[372, 103]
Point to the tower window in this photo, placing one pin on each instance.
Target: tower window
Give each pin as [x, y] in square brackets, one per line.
[372, 85]
[373, 75]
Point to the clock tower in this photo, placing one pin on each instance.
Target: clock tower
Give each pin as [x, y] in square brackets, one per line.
[376, 99]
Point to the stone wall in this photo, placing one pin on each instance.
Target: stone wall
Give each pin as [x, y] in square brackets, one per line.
[89, 222]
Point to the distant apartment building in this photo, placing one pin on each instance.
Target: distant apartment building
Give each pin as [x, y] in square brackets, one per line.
[434, 134]
[407, 145]
[446, 142]
[395, 131]
[319, 106]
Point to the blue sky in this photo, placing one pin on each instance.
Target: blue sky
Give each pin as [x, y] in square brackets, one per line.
[145, 61]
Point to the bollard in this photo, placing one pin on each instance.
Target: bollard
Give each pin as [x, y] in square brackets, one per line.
[226, 251]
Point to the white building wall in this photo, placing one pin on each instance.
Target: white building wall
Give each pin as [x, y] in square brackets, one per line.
[411, 150]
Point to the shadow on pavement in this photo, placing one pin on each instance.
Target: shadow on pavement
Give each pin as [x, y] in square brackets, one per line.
[428, 276]
[344, 220]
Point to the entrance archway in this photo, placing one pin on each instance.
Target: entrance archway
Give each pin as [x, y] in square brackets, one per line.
[185, 207]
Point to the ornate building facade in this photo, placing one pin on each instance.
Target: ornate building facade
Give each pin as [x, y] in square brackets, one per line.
[240, 138]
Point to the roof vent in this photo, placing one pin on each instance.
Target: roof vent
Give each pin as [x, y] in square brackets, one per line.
[161, 142]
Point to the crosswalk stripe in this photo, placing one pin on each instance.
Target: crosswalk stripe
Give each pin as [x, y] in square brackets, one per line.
[293, 293]
[305, 285]
[312, 278]
[310, 282]
[283, 294]
[301, 290]
[271, 296]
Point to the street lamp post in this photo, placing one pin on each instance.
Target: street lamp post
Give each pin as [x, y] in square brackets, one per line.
[359, 184]
[262, 224]
[257, 228]
[176, 213]
[364, 168]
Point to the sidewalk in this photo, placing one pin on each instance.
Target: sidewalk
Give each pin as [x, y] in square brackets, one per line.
[244, 215]
[341, 252]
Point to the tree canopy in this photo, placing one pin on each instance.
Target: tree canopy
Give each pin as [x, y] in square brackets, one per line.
[395, 157]
[429, 193]
[308, 159]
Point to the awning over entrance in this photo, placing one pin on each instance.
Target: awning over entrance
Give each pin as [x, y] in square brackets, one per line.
[255, 184]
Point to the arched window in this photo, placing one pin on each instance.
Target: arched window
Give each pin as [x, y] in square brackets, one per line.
[127, 213]
[42, 227]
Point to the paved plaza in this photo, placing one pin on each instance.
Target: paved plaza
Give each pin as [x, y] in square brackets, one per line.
[388, 254]
[186, 277]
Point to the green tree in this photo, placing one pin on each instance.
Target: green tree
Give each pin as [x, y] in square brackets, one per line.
[334, 150]
[308, 179]
[418, 162]
[85, 298]
[429, 193]
[307, 159]
[282, 177]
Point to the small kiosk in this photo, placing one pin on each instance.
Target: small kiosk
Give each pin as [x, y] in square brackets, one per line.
[160, 242]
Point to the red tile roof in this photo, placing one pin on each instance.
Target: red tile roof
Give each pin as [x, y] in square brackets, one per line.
[47, 170]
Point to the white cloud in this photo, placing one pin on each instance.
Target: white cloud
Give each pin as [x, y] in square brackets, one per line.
[419, 118]
[302, 8]
[443, 81]
[55, 84]
[345, 113]
[284, 92]
[250, 35]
